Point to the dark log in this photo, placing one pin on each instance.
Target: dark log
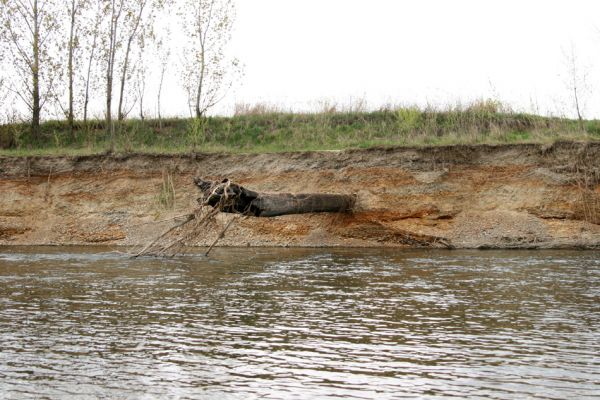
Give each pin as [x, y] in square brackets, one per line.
[230, 197]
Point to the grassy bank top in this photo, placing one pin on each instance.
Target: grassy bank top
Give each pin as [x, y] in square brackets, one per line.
[270, 131]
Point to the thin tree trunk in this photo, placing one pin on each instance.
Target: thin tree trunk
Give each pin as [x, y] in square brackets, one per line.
[203, 31]
[579, 118]
[141, 91]
[70, 116]
[200, 84]
[120, 114]
[36, 108]
[110, 71]
[109, 88]
[89, 68]
[87, 81]
[575, 79]
[162, 77]
[109, 126]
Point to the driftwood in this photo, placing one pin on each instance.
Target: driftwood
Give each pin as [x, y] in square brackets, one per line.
[230, 197]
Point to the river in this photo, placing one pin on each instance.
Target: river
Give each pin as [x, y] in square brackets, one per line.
[299, 323]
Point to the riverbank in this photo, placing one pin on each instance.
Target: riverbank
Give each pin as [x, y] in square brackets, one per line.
[261, 129]
[467, 196]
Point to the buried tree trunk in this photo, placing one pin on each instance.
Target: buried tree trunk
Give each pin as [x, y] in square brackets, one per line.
[230, 197]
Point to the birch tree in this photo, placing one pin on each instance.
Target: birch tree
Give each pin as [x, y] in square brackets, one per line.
[141, 72]
[91, 32]
[138, 14]
[208, 72]
[128, 20]
[75, 9]
[163, 56]
[73, 36]
[111, 41]
[29, 28]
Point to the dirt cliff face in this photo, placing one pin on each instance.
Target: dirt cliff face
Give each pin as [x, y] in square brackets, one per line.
[506, 196]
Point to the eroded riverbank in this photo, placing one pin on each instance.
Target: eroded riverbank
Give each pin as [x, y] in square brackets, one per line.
[505, 196]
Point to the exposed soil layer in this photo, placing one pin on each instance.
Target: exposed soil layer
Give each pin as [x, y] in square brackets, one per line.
[480, 196]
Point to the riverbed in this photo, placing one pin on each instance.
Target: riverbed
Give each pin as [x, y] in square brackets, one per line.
[299, 323]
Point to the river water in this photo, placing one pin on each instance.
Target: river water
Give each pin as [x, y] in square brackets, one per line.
[289, 323]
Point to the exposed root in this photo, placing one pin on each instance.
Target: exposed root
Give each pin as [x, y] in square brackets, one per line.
[149, 248]
[172, 241]
[221, 235]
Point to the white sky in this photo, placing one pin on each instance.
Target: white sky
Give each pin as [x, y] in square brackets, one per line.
[300, 52]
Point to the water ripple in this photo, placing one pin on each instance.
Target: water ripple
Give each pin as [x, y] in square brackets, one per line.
[300, 324]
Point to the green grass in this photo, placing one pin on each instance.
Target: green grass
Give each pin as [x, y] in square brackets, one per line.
[275, 131]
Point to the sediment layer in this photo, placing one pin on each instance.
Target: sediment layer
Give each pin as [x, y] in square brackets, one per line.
[479, 196]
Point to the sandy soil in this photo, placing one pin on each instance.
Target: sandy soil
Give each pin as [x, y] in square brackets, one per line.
[509, 196]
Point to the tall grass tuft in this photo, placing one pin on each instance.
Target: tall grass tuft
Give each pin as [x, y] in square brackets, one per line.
[166, 196]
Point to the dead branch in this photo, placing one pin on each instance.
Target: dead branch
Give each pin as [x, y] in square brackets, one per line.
[144, 251]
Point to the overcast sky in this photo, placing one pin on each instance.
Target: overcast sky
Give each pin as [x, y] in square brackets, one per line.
[298, 53]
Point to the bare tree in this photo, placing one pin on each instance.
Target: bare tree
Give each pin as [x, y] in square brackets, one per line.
[163, 54]
[75, 9]
[163, 70]
[208, 71]
[140, 81]
[30, 29]
[576, 82]
[90, 34]
[115, 11]
[75, 30]
[133, 27]
[128, 20]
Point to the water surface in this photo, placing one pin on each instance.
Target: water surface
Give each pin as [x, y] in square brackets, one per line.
[273, 323]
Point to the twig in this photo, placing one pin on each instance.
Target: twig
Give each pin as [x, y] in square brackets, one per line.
[162, 249]
[220, 235]
[181, 241]
[188, 219]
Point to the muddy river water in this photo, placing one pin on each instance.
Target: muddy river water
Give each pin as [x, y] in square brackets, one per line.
[297, 323]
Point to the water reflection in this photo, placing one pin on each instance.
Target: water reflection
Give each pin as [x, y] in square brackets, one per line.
[300, 323]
